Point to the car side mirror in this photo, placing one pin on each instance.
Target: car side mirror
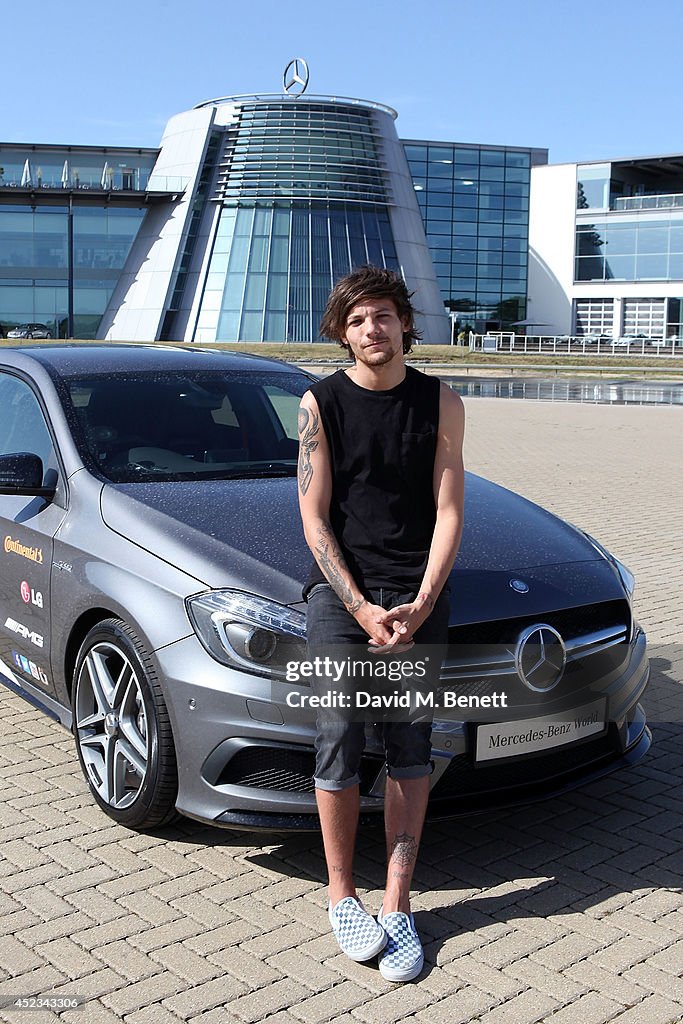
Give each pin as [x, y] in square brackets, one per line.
[22, 473]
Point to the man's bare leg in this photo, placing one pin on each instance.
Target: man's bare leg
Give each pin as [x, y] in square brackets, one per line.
[338, 812]
[405, 803]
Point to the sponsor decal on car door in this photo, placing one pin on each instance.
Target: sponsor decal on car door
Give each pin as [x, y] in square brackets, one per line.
[27, 525]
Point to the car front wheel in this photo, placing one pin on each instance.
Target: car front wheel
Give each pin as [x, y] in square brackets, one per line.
[122, 729]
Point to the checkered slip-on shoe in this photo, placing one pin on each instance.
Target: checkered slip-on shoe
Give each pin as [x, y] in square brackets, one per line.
[358, 934]
[402, 959]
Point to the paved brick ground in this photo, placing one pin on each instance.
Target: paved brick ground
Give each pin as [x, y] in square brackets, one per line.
[568, 912]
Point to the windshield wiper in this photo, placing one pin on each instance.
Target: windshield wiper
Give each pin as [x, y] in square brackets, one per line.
[252, 472]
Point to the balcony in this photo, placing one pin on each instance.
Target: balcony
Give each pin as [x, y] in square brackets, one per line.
[659, 202]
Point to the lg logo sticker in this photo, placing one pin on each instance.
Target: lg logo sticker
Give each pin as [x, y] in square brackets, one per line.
[31, 596]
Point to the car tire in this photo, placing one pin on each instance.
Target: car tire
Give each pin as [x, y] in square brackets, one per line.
[122, 728]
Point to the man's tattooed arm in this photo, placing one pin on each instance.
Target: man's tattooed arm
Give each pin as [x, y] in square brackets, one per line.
[331, 561]
[308, 429]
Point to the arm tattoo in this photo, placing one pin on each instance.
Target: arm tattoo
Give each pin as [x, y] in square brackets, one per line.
[404, 849]
[330, 560]
[307, 444]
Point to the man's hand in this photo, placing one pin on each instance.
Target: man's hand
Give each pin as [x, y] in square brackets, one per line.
[372, 618]
[404, 620]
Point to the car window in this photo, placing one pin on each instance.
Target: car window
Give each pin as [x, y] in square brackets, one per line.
[22, 424]
[140, 427]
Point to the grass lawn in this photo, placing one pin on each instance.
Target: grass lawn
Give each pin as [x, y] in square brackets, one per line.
[453, 355]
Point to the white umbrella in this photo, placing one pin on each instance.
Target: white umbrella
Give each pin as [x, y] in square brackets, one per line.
[106, 175]
[26, 176]
[65, 175]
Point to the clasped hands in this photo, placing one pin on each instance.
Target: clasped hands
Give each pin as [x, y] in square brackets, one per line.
[391, 631]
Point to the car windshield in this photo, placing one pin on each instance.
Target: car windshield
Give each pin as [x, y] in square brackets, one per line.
[154, 427]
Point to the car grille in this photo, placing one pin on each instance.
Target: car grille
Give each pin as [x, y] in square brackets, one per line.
[285, 769]
[464, 777]
[595, 637]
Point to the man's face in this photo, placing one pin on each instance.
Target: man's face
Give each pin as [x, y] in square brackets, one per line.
[374, 331]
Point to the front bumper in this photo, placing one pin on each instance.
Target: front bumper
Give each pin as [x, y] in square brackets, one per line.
[245, 761]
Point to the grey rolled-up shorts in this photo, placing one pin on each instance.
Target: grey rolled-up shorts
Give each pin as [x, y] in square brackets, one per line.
[340, 740]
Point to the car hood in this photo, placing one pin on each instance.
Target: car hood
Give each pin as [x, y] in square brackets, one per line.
[247, 534]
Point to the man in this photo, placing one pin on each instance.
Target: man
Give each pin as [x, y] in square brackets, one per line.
[381, 498]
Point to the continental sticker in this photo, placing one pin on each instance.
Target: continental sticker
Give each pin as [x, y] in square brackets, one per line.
[15, 547]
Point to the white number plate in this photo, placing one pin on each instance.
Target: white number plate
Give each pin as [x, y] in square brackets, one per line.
[511, 739]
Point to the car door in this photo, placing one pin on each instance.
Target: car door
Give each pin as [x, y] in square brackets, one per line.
[27, 526]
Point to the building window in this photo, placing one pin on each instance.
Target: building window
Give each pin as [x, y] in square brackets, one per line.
[594, 317]
[644, 318]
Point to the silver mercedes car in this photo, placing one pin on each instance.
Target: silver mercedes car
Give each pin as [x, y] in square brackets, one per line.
[151, 569]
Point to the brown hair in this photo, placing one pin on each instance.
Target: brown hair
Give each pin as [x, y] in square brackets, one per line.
[368, 283]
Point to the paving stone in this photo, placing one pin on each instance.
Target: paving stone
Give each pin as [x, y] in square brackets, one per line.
[654, 1010]
[127, 960]
[200, 998]
[165, 935]
[277, 939]
[460, 1008]
[148, 907]
[587, 1009]
[569, 950]
[647, 976]
[68, 957]
[151, 990]
[608, 983]
[155, 1014]
[251, 969]
[260, 1004]
[205, 911]
[186, 964]
[525, 1008]
[16, 957]
[395, 1005]
[225, 937]
[328, 1005]
[561, 987]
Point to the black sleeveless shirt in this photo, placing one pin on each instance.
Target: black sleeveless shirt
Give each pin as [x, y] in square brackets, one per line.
[382, 447]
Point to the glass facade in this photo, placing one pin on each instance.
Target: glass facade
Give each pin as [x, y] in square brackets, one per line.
[303, 201]
[60, 263]
[81, 168]
[635, 247]
[68, 217]
[274, 266]
[280, 150]
[475, 205]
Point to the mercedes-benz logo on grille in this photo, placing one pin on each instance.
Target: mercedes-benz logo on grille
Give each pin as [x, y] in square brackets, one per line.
[295, 78]
[540, 657]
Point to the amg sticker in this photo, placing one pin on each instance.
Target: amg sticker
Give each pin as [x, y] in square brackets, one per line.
[28, 634]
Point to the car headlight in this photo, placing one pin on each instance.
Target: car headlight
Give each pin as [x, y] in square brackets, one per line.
[248, 632]
[625, 575]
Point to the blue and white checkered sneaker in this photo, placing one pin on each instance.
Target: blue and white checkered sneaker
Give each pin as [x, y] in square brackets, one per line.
[402, 959]
[358, 934]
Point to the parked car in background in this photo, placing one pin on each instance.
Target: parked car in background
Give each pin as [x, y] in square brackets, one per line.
[30, 331]
[151, 566]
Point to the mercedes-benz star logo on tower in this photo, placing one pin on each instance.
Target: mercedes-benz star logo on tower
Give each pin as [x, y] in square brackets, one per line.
[540, 658]
[295, 78]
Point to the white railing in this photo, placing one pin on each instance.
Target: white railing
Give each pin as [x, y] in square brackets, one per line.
[550, 344]
[661, 202]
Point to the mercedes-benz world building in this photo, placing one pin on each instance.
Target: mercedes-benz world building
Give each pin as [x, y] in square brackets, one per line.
[238, 225]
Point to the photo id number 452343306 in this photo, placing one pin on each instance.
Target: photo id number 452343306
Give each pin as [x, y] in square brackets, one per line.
[41, 1002]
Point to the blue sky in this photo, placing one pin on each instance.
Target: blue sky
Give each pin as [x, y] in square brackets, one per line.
[586, 81]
